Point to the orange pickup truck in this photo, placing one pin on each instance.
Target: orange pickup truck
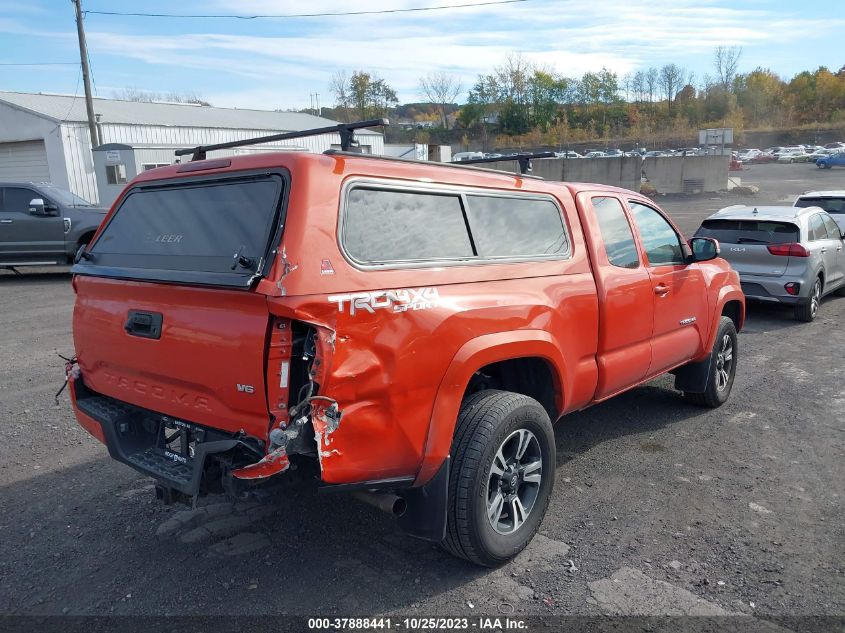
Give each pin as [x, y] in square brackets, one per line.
[403, 331]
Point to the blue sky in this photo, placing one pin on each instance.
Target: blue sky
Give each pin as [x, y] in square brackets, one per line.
[278, 63]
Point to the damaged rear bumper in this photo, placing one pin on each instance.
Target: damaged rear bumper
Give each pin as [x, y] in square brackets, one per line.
[176, 453]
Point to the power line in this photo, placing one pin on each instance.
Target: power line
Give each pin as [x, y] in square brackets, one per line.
[301, 15]
[39, 64]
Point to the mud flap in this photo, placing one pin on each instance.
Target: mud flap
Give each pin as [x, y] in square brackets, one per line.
[692, 377]
[425, 517]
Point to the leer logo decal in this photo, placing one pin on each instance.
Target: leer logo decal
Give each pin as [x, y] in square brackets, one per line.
[401, 300]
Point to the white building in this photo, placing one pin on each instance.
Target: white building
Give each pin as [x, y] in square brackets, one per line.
[44, 137]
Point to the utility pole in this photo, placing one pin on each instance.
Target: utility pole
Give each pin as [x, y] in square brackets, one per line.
[86, 74]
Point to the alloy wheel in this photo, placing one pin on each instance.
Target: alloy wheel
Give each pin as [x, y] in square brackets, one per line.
[513, 482]
[724, 362]
[816, 299]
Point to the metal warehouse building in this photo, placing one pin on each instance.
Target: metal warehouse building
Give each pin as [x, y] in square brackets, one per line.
[45, 138]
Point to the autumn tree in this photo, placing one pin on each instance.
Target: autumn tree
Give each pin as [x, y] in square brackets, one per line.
[131, 93]
[671, 79]
[363, 94]
[726, 63]
[441, 89]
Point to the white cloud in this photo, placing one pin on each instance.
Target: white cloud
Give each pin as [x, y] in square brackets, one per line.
[280, 61]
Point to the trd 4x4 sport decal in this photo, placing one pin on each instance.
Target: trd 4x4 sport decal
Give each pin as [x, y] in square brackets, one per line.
[396, 300]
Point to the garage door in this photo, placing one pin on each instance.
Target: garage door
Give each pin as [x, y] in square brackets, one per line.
[26, 160]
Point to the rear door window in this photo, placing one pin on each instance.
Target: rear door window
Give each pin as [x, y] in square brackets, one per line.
[616, 233]
[833, 230]
[750, 231]
[817, 230]
[217, 228]
[395, 226]
[516, 227]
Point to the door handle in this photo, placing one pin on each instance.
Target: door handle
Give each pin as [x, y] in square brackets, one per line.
[824, 249]
[143, 324]
[661, 290]
[4, 221]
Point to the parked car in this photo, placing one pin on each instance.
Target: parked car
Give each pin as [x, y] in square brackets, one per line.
[735, 165]
[595, 154]
[568, 154]
[831, 201]
[404, 330]
[462, 156]
[655, 153]
[836, 145]
[783, 254]
[762, 158]
[792, 155]
[748, 154]
[832, 160]
[820, 153]
[614, 153]
[42, 225]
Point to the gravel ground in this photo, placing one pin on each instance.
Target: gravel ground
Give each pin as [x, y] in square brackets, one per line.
[660, 507]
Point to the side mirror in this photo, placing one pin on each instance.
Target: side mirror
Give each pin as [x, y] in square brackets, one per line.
[81, 254]
[37, 206]
[704, 249]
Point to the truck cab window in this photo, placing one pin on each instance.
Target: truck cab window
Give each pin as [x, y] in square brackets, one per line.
[661, 242]
[17, 199]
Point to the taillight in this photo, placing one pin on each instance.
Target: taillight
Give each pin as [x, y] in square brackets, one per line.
[788, 250]
[793, 288]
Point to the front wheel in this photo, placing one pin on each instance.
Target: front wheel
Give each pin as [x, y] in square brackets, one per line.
[723, 361]
[501, 478]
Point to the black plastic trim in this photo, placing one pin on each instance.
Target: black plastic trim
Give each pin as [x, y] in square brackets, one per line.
[692, 377]
[376, 484]
[425, 517]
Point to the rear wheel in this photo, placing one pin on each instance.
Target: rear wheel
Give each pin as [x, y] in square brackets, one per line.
[807, 311]
[723, 360]
[501, 478]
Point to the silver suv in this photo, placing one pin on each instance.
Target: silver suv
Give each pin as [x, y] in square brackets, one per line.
[792, 255]
[831, 201]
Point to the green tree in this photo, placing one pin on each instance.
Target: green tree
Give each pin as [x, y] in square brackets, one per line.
[363, 94]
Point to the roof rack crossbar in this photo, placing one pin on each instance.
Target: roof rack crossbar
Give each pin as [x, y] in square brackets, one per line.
[523, 159]
[346, 131]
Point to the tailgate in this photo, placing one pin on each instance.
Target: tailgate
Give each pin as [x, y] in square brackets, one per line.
[754, 259]
[205, 366]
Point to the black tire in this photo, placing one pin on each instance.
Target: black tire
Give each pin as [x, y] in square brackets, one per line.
[807, 312]
[723, 361]
[488, 424]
